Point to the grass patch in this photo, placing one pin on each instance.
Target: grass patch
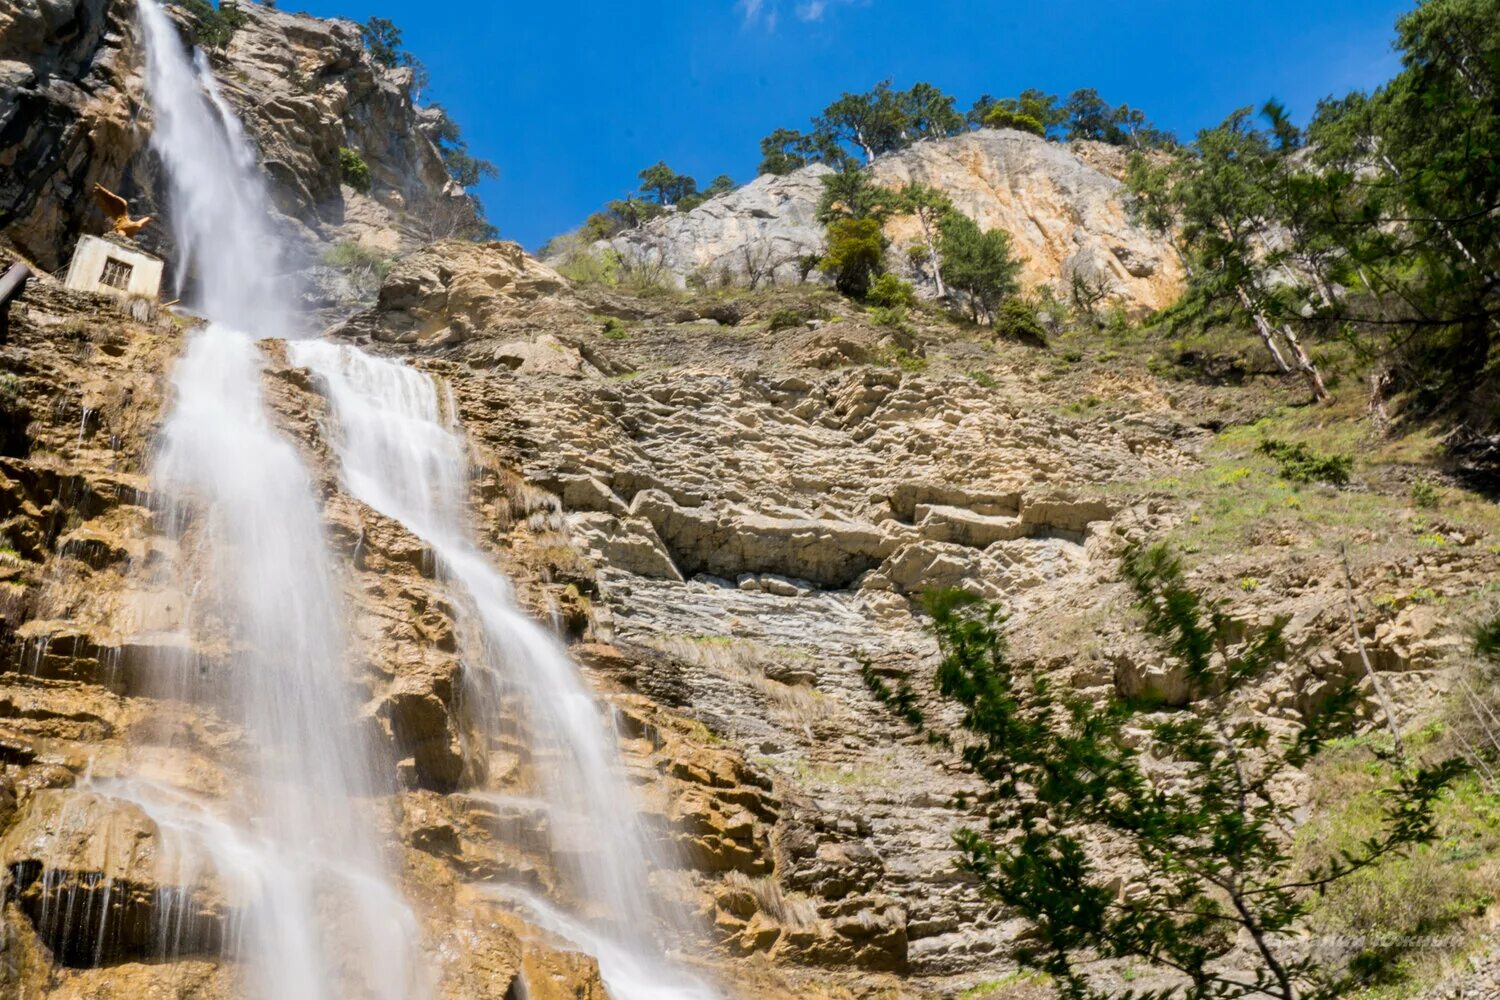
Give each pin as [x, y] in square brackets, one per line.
[1401, 921]
[841, 775]
[899, 357]
[990, 987]
[366, 267]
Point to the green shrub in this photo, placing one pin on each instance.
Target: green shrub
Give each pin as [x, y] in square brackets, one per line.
[1017, 319]
[582, 265]
[785, 319]
[213, 27]
[902, 359]
[1299, 463]
[1005, 118]
[984, 379]
[614, 328]
[1117, 321]
[1487, 639]
[355, 170]
[891, 292]
[856, 248]
[1188, 802]
[1424, 493]
[10, 393]
[366, 267]
[979, 264]
[893, 317]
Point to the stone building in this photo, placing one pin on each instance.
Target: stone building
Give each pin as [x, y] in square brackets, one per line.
[105, 264]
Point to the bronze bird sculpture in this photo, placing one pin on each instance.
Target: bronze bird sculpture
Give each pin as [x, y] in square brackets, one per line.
[118, 210]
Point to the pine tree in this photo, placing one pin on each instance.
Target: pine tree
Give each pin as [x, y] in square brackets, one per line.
[1193, 803]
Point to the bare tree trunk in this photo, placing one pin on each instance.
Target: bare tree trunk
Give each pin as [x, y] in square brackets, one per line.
[1264, 328]
[1364, 657]
[933, 256]
[1305, 363]
[1376, 407]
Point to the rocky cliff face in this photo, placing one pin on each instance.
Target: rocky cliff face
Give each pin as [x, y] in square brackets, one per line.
[1061, 205]
[728, 519]
[728, 523]
[73, 113]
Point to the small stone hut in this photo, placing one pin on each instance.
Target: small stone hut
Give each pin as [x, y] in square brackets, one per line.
[112, 265]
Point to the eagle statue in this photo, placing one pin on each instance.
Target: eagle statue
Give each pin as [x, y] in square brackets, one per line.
[118, 211]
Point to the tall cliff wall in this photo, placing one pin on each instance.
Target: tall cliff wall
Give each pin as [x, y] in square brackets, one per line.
[73, 113]
[1062, 206]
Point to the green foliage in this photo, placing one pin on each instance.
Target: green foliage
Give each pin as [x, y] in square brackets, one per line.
[1005, 118]
[1032, 111]
[662, 189]
[979, 264]
[853, 195]
[663, 184]
[1300, 464]
[855, 255]
[1191, 803]
[786, 150]
[900, 699]
[1424, 494]
[10, 394]
[865, 125]
[581, 264]
[463, 167]
[1088, 116]
[366, 267]
[891, 292]
[354, 169]
[722, 184]
[1018, 318]
[899, 357]
[786, 319]
[614, 328]
[927, 205]
[383, 40]
[1487, 639]
[1385, 215]
[213, 27]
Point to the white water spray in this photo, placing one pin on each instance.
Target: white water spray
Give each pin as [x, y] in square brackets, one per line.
[320, 917]
[401, 456]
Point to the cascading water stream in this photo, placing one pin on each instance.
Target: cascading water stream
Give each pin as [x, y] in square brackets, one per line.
[306, 848]
[400, 456]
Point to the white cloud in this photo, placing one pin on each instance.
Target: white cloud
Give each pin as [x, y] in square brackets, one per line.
[765, 13]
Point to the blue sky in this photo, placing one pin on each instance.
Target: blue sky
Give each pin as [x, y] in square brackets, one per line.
[571, 99]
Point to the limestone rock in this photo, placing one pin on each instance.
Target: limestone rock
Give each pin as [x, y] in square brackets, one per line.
[1064, 213]
[760, 229]
[1064, 216]
[456, 291]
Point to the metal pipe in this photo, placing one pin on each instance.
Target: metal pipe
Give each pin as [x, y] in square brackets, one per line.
[13, 283]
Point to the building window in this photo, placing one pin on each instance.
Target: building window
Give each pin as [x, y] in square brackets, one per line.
[116, 274]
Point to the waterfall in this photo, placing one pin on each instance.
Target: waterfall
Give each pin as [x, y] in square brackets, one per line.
[317, 910]
[400, 454]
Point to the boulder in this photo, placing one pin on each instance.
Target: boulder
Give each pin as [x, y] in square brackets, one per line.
[455, 291]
